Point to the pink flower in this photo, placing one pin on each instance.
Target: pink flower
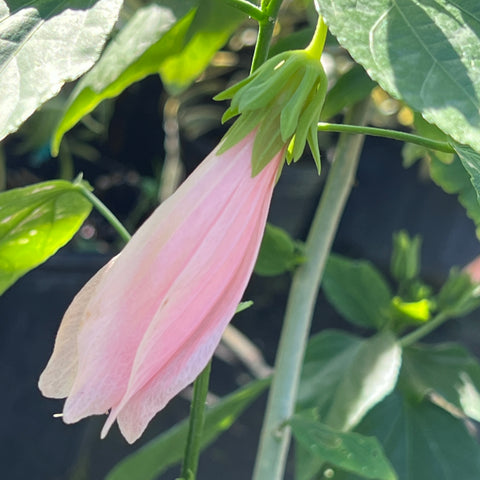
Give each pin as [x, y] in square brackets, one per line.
[148, 322]
[473, 269]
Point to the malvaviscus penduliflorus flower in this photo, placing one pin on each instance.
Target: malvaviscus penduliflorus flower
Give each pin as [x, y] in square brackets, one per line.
[148, 322]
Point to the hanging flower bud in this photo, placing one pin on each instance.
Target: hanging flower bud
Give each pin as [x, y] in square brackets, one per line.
[283, 100]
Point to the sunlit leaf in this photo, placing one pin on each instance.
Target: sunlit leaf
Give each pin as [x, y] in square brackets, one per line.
[425, 53]
[43, 44]
[35, 222]
[155, 32]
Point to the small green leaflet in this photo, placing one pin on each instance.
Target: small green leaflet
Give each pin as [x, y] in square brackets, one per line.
[35, 222]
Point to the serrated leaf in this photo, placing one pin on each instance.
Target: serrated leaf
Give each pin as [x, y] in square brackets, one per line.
[348, 451]
[35, 222]
[279, 253]
[357, 291]
[168, 448]
[448, 370]
[154, 33]
[421, 441]
[425, 53]
[214, 23]
[453, 178]
[471, 162]
[43, 44]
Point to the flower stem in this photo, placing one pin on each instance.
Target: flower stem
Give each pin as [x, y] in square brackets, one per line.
[315, 47]
[195, 428]
[275, 437]
[424, 330]
[265, 31]
[386, 133]
[104, 210]
[249, 8]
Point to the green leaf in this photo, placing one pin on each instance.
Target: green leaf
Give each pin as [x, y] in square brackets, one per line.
[348, 451]
[453, 178]
[352, 87]
[425, 53]
[153, 34]
[370, 377]
[471, 162]
[214, 23]
[168, 449]
[357, 291]
[35, 222]
[45, 43]
[447, 370]
[343, 377]
[422, 441]
[279, 253]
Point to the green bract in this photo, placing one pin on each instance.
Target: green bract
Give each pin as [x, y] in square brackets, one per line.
[282, 100]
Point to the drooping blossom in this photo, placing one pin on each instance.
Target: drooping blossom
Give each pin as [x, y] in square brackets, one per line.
[147, 323]
[473, 270]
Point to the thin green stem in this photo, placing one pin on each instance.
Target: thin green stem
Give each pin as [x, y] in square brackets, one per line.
[275, 437]
[195, 428]
[249, 8]
[386, 133]
[104, 210]
[424, 330]
[316, 45]
[265, 32]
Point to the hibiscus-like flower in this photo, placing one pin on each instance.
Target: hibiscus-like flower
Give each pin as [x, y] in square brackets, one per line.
[147, 323]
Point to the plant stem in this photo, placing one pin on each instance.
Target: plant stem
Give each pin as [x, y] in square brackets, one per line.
[104, 210]
[195, 427]
[249, 8]
[265, 31]
[424, 330]
[386, 133]
[315, 47]
[275, 437]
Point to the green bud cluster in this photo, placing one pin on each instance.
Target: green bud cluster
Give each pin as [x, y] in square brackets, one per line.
[282, 100]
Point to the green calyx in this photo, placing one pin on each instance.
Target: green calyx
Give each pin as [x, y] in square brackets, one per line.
[282, 100]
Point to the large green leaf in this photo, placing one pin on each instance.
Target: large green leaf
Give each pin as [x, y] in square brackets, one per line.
[423, 52]
[168, 449]
[447, 370]
[43, 44]
[471, 162]
[422, 441]
[35, 222]
[348, 451]
[214, 23]
[357, 291]
[151, 35]
[452, 177]
[343, 377]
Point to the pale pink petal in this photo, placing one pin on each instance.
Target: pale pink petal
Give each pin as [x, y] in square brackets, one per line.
[124, 304]
[201, 302]
[57, 379]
